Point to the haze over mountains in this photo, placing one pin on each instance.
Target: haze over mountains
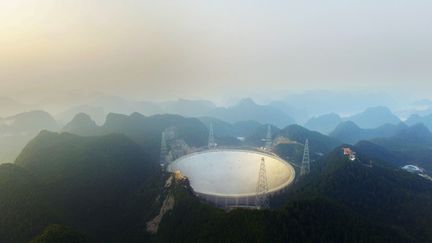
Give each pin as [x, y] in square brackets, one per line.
[105, 115]
[370, 118]
[9, 106]
[77, 174]
[349, 132]
[16, 131]
[379, 121]
[299, 107]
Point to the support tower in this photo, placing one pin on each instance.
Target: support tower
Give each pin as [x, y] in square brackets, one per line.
[163, 151]
[269, 140]
[305, 166]
[261, 199]
[211, 141]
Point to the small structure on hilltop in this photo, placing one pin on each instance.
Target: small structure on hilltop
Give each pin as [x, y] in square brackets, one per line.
[350, 154]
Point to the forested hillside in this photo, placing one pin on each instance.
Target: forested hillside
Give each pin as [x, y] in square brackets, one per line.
[107, 188]
[88, 183]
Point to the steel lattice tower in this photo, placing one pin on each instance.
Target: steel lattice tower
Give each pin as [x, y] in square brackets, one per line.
[261, 200]
[211, 141]
[269, 140]
[163, 151]
[305, 166]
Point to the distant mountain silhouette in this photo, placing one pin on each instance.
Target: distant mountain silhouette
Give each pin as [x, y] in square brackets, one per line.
[16, 131]
[114, 104]
[371, 118]
[189, 108]
[97, 113]
[28, 122]
[9, 107]
[148, 108]
[316, 102]
[283, 113]
[417, 119]
[418, 108]
[248, 110]
[299, 115]
[324, 123]
[82, 124]
[414, 143]
[237, 129]
[417, 136]
[184, 107]
[422, 102]
[349, 132]
[144, 130]
[374, 117]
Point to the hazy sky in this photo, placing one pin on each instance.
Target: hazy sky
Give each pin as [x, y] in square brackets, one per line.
[210, 48]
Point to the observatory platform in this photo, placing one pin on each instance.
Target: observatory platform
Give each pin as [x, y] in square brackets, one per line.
[229, 177]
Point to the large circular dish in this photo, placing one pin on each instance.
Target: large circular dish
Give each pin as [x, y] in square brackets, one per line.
[229, 173]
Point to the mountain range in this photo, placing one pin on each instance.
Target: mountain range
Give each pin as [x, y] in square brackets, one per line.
[10, 107]
[16, 131]
[414, 143]
[280, 112]
[64, 185]
[244, 110]
[98, 114]
[417, 119]
[374, 117]
[370, 118]
[247, 110]
[349, 132]
[325, 123]
[144, 130]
